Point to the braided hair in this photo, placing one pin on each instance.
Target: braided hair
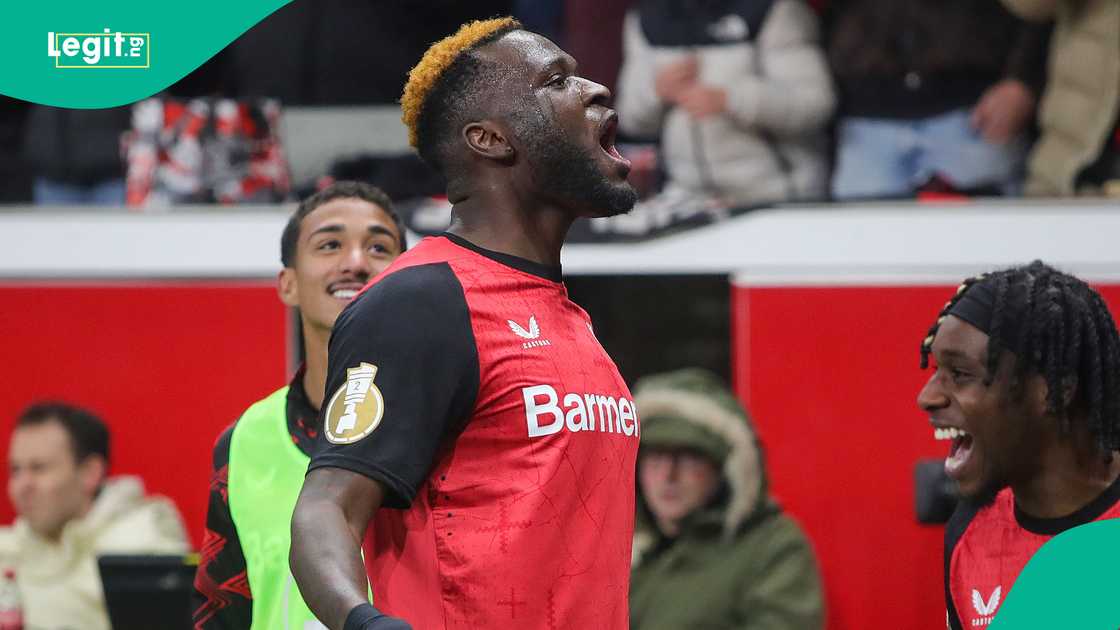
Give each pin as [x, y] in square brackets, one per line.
[1067, 335]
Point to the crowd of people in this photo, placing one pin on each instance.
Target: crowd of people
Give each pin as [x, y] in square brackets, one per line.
[747, 103]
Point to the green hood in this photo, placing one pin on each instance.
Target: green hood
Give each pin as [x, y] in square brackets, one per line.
[693, 408]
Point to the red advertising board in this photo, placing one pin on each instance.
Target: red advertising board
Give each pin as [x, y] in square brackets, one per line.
[168, 365]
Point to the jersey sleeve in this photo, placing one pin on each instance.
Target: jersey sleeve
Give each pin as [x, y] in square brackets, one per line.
[402, 378]
[958, 523]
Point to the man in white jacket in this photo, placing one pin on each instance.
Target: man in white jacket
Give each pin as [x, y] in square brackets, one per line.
[69, 512]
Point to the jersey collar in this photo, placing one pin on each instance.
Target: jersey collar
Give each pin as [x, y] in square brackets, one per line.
[1054, 526]
[548, 272]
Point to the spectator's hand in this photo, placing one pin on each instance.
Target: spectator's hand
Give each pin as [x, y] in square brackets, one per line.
[702, 101]
[1003, 111]
[672, 80]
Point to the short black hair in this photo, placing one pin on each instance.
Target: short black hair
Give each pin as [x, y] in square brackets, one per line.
[88, 433]
[337, 190]
[1066, 334]
[456, 99]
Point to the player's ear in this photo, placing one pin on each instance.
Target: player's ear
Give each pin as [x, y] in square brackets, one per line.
[1036, 394]
[487, 139]
[287, 287]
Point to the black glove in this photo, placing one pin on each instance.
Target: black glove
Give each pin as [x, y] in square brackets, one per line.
[366, 617]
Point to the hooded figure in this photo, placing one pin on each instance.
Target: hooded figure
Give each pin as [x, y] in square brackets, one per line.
[711, 548]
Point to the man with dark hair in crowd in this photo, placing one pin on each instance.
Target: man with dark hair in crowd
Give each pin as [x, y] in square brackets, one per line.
[933, 93]
[1027, 391]
[69, 512]
[335, 242]
[467, 393]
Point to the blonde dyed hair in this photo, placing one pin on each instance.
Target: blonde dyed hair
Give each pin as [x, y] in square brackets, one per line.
[424, 76]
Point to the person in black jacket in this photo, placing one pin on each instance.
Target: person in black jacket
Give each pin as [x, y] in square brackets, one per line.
[932, 88]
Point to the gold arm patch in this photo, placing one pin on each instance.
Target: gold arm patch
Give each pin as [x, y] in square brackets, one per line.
[356, 408]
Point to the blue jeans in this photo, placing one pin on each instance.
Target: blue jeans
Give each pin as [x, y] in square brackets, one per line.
[49, 192]
[883, 157]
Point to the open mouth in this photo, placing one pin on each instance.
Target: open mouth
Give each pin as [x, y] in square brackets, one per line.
[608, 131]
[344, 290]
[960, 449]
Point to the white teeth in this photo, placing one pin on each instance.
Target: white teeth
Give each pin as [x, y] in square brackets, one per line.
[950, 433]
[344, 294]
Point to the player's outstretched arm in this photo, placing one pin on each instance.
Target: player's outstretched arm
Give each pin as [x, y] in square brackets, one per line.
[329, 522]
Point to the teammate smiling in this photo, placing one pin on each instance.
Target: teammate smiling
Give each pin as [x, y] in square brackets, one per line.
[1027, 390]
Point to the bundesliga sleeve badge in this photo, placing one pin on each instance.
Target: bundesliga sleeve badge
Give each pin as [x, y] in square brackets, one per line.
[356, 408]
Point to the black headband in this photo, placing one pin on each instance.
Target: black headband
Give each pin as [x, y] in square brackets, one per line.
[977, 306]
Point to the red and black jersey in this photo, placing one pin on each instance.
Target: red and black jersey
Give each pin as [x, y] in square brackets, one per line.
[987, 548]
[475, 391]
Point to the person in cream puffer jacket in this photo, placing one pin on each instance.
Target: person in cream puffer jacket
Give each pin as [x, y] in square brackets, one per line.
[69, 513]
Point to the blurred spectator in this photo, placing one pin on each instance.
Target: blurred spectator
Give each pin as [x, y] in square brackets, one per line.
[205, 151]
[340, 52]
[739, 93]
[69, 512]
[711, 549]
[1079, 147]
[932, 89]
[75, 155]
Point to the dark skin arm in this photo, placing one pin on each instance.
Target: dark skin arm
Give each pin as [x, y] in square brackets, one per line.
[334, 509]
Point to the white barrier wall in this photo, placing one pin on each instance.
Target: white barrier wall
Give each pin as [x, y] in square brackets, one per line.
[876, 243]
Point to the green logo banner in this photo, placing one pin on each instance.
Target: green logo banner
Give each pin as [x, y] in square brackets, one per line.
[76, 54]
[1069, 583]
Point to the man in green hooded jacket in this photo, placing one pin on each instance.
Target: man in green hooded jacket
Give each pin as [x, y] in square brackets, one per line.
[711, 548]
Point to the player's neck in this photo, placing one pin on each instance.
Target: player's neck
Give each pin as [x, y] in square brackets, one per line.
[532, 232]
[1068, 480]
[315, 372]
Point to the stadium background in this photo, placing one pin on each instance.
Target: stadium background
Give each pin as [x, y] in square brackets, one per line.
[164, 319]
